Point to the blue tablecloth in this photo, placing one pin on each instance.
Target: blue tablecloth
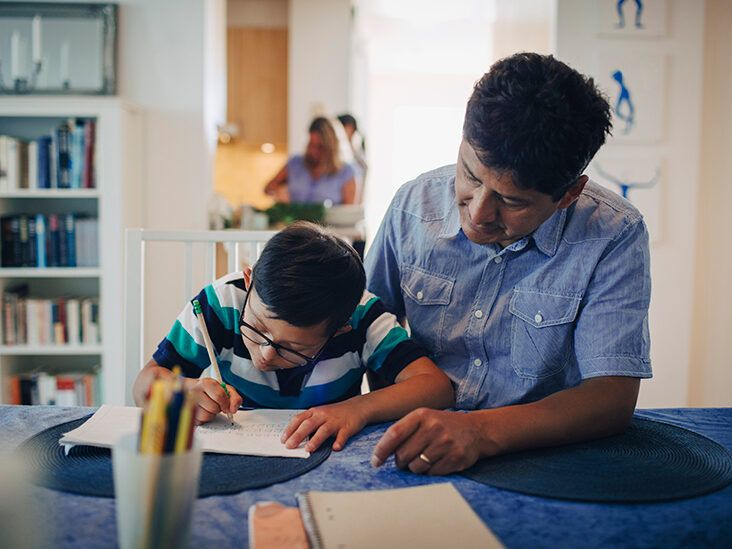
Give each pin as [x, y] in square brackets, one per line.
[518, 520]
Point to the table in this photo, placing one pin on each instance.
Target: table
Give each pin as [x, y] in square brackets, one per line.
[518, 520]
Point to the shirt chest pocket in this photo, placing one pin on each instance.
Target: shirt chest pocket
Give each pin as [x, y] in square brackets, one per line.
[542, 332]
[426, 298]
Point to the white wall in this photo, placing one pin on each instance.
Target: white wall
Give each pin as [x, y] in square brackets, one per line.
[319, 58]
[672, 256]
[161, 69]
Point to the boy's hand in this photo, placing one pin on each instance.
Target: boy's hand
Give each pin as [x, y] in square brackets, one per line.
[211, 399]
[343, 419]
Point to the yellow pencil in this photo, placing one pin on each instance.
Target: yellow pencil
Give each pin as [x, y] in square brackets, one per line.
[184, 426]
[211, 354]
[155, 433]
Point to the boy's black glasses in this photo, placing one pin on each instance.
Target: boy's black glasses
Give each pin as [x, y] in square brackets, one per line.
[255, 336]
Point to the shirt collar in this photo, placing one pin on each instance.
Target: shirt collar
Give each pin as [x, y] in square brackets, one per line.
[451, 226]
[548, 234]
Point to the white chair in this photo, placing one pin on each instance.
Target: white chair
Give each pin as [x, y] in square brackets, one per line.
[241, 247]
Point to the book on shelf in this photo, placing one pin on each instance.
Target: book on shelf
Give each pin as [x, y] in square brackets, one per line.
[49, 240]
[48, 388]
[37, 322]
[62, 160]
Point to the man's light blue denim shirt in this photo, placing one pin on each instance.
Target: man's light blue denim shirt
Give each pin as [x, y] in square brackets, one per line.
[513, 325]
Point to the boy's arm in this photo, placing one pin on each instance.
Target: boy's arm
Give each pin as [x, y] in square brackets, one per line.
[420, 383]
[453, 441]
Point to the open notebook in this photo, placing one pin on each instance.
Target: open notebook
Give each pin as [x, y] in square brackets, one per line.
[254, 433]
[432, 516]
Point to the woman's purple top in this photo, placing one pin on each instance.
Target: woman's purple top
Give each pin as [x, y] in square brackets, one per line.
[303, 188]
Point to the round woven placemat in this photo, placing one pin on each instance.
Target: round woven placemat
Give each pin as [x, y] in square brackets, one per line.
[88, 471]
[651, 461]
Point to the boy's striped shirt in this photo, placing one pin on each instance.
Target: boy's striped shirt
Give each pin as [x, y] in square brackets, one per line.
[376, 342]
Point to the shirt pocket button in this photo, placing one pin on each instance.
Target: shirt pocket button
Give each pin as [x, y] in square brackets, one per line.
[538, 318]
[420, 295]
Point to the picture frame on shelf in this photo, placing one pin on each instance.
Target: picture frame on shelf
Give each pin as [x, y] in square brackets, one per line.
[58, 48]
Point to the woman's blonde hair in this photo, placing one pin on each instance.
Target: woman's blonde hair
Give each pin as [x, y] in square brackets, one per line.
[332, 143]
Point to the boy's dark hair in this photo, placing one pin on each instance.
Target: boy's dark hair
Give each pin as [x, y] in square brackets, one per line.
[538, 119]
[305, 275]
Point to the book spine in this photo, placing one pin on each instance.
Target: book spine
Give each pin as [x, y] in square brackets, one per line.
[4, 183]
[13, 164]
[52, 241]
[70, 237]
[44, 162]
[6, 237]
[22, 164]
[32, 241]
[89, 146]
[77, 154]
[24, 241]
[72, 321]
[33, 164]
[16, 259]
[53, 162]
[63, 136]
[14, 397]
[40, 240]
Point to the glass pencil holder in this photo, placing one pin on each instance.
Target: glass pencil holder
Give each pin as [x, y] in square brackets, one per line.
[155, 495]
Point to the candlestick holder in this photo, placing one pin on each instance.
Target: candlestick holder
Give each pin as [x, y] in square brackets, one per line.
[20, 85]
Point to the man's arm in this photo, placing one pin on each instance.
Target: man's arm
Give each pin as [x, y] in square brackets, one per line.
[382, 264]
[453, 441]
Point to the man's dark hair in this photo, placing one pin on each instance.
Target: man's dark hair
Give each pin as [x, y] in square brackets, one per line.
[538, 119]
[348, 120]
[305, 276]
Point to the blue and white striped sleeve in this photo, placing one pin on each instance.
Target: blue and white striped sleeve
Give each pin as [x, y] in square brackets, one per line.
[184, 345]
[387, 349]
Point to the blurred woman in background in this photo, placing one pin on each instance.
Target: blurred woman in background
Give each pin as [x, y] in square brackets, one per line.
[322, 175]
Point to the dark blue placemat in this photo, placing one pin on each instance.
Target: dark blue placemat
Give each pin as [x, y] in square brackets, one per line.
[88, 471]
[651, 461]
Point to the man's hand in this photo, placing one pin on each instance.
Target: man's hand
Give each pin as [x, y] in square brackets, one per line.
[211, 399]
[431, 442]
[343, 420]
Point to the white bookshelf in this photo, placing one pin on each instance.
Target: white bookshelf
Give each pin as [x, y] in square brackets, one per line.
[116, 202]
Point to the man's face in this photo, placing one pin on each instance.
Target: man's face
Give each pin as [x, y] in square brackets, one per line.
[307, 341]
[493, 210]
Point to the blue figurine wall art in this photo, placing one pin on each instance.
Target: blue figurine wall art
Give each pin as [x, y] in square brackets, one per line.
[624, 108]
[638, 14]
[624, 185]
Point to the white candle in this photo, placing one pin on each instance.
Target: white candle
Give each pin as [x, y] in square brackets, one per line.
[15, 56]
[64, 65]
[37, 39]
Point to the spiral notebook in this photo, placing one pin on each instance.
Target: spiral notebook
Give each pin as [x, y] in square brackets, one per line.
[432, 516]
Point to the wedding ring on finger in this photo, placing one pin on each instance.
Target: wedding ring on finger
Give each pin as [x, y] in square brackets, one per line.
[424, 458]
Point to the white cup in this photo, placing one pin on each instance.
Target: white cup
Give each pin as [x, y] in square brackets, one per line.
[154, 495]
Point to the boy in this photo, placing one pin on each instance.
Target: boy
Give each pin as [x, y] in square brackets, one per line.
[298, 332]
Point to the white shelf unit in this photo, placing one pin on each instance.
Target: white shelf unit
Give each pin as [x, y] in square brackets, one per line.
[117, 202]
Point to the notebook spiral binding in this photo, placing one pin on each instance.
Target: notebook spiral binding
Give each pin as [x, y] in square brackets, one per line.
[308, 520]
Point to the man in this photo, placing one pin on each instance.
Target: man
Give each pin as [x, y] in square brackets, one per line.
[529, 284]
